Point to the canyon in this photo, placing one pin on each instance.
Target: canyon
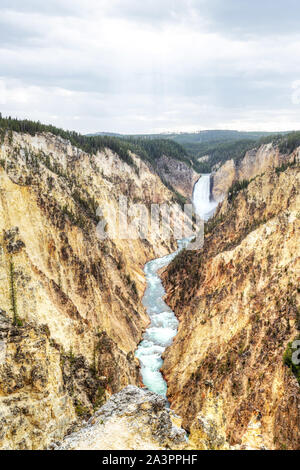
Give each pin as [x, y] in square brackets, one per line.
[237, 302]
[73, 315]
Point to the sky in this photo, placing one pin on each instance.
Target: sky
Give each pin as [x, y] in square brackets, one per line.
[148, 66]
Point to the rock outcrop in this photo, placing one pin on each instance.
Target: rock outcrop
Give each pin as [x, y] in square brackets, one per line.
[33, 399]
[254, 163]
[238, 304]
[178, 174]
[133, 419]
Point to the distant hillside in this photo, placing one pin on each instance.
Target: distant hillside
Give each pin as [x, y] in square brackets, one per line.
[209, 136]
[196, 137]
[111, 134]
[217, 145]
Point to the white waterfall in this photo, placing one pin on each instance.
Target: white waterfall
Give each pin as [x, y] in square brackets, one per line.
[204, 206]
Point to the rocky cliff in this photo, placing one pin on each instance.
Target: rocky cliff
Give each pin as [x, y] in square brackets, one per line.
[70, 303]
[178, 174]
[254, 163]
[238, 304]
[133, 419]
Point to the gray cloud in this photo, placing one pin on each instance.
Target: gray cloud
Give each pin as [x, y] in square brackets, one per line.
[128, 66]
[53, 7]
[253, 17]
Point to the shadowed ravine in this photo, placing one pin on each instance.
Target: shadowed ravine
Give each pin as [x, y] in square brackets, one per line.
[163, 327]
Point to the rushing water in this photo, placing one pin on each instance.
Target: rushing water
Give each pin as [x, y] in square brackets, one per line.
[204, 205]
[164, 324]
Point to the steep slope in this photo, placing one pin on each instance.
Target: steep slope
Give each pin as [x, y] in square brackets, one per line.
[70, 303]
[254, 163]
[204, 150]
[178, 175]
[133, 419]
[238, 304]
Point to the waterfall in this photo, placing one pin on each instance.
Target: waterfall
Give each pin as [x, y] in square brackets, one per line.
[204, 206]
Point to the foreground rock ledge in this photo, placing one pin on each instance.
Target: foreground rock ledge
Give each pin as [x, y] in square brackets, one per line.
[133, 419]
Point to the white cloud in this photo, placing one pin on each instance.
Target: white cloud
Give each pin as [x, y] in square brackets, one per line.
[138, 66]
[296, 92]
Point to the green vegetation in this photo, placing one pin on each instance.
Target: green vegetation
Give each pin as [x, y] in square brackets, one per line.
[289, 142]
[88, 144]
[152, 149]
[285, 166]
[201, 137]
[78, 219]
[132, 285]
[13, 296]
[89, 205]
[71, 357]
[148, 150]
[99, 398]
[289, 360]
[236, 187]
[213, 222]
[217, 135]
[81, 410]
[219, 152]
[220, 145]
[298, 317]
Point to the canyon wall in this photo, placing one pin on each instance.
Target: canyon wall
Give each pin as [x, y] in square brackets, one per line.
[255, 162]
[71, 315]
[178, 174]
[238, 304]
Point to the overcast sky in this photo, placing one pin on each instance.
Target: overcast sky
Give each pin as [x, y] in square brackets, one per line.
[152, 65]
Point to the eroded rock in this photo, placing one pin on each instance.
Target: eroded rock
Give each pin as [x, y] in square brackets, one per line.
[132, 419]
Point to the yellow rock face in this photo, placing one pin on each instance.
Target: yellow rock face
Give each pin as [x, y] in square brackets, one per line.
[223, 179]
[238, 305]
[181, 176]
[55, 271]
[35, 407]
[254, 163]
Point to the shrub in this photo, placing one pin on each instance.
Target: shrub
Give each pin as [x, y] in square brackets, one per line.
[236, 187]
[288, 360]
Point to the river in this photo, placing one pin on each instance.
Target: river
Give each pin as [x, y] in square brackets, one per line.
[163, 322]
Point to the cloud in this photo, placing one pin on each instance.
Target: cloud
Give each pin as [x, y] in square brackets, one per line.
[296, 92]
[252, 18]
[53, 7]
[126, 65]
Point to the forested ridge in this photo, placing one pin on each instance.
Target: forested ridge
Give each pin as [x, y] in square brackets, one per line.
[219, 146]
[149, 150]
